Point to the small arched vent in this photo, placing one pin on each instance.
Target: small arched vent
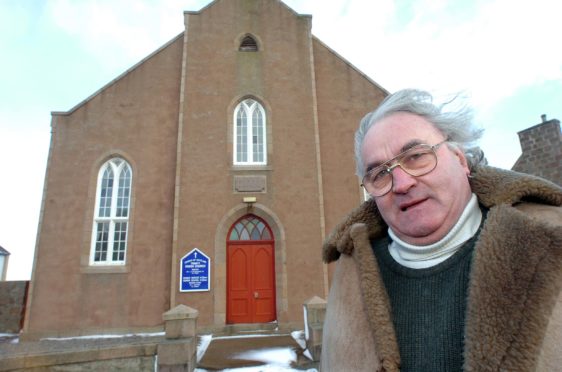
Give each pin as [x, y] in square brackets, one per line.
[248, 44]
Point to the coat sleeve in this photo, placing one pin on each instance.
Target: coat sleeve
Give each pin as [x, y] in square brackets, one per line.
[550, 358]
[347, 344]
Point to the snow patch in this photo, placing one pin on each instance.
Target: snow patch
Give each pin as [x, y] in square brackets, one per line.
[247, 336]
[93, 337]
[298, 336]
[263, 368]
[203, 345]
[281, 356]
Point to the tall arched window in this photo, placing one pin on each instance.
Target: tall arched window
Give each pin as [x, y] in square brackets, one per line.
[249, 133]
[111, 216]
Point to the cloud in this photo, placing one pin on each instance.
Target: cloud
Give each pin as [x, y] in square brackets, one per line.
[490, 48]
[116, 32]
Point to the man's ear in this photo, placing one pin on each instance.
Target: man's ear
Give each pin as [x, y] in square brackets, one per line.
[462, 159]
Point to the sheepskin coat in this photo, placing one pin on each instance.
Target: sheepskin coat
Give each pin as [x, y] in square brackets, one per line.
[514, 307]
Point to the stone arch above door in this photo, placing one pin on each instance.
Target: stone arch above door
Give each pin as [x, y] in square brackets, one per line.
[219, 266]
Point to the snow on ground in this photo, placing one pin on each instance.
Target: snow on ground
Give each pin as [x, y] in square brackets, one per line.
[248, 336]
[263, 368]
[203, 345]
[276, 359]
[282, 356]
[93, 337]
[298, 336]
[12, 338]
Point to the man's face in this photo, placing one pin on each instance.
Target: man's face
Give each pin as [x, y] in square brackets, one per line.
[420, 210]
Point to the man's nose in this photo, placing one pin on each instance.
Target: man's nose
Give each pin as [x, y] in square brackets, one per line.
[401, 181]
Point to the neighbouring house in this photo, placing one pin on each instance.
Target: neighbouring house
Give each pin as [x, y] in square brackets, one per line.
[12, 298]
[4, 257]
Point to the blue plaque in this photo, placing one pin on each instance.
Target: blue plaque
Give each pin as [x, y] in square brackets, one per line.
[195, 272]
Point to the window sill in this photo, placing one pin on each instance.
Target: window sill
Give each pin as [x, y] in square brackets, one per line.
[238, 168]
[109, 269]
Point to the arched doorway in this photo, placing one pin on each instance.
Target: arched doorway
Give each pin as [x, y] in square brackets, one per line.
[250, 272]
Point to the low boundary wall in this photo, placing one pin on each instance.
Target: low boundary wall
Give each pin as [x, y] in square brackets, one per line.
[13, 295]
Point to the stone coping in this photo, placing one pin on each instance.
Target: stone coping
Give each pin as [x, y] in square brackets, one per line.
[76, 350]
[180, 312]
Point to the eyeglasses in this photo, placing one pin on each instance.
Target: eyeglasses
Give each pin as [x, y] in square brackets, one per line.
[417, 161]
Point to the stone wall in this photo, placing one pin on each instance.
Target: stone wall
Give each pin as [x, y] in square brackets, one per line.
[541, 147]
[132, 353]
[139, 364]
[12, 304]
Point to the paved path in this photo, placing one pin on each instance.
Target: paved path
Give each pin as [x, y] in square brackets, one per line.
[236, 352]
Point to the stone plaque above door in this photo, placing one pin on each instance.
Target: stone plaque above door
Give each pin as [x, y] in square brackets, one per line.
[250, 184]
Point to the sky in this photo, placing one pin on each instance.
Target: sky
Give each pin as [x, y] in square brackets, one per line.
[502, 56]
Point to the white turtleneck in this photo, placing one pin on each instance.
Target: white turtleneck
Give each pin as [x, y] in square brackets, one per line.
[421, 257]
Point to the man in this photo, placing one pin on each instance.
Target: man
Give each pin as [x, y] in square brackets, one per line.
[451, 265]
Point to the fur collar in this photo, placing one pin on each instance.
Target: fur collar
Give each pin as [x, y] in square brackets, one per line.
[493, 187]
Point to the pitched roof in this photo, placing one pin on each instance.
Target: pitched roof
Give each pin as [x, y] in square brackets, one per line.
[3, 252]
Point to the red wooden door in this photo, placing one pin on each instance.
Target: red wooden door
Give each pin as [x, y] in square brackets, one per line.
[250, 277]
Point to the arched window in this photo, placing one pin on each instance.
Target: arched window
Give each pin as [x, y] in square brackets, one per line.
[249, 133]
[248, 44]
[250, 227]
[111, 216]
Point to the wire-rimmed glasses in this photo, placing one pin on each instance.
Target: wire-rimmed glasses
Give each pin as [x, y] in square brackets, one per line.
[416, 161]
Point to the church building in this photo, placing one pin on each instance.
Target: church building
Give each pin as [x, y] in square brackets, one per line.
[208, 175]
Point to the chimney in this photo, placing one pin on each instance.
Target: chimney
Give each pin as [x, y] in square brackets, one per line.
[541, 147]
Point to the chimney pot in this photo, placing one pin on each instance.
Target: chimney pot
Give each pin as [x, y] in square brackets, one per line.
[543, 118]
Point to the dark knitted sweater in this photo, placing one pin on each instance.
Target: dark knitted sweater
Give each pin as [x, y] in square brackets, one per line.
[428, 308]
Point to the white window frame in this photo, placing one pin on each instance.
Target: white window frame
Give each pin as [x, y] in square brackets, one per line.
[117, 165]
[249, 106]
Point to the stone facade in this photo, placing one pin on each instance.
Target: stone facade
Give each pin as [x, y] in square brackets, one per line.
[541, 147]
[171, 118]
